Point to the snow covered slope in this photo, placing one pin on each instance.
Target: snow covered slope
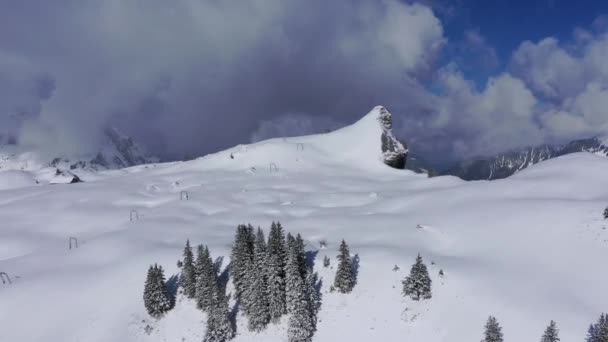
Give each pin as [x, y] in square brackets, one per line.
[526, 249]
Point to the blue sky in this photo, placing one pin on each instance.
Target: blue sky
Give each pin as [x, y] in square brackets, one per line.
[506, 24]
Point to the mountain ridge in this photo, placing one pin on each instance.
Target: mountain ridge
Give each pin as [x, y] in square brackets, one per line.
[505, 164]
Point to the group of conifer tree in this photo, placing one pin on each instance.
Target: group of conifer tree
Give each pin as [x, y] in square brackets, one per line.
[271, 278]
[199, 281]
[597, 332]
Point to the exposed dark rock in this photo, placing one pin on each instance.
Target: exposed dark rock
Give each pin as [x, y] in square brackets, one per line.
[394, 152]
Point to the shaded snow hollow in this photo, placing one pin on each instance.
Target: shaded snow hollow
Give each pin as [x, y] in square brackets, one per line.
[526, 249]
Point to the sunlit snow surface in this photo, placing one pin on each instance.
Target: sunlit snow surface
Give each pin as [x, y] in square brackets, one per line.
[527, 249]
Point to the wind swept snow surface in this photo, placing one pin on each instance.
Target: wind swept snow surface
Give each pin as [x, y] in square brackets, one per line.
[527, 250]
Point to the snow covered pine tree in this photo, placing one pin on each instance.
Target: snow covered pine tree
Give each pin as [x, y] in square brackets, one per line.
[598, 332]
[300, 326]
[277, 257]
[242, 260]
[418, 284]
[156, 296]
[206, 280]
[493, 331]
[259, 310]
[551, 333]
[314, 296]
[219, 327]
[187, 277]
[345, 277]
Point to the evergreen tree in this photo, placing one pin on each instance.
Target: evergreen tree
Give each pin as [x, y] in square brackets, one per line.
[206, 281]
[276, 242]
[156, 295]
[276, 287]
[300, 326]
[599, 331]
[302, 265]
[418, 284]
[326, 261]
[294, 284]
[345, 277]
[590, 333]
[606, 213]
[493, 331]
[551, 333]
[199, 265]
[187, 278]
[277, 256]
[219, 327]
[314, 297]
[259, 310]
[241, 259]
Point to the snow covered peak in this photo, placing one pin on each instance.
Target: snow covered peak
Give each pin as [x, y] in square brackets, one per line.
[368, 143]
[374, 136]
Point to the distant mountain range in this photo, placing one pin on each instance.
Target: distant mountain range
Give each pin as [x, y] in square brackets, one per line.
[506, 164]
[116, 151]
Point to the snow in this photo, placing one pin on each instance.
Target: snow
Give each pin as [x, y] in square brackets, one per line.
[526, 249]
[12, 179]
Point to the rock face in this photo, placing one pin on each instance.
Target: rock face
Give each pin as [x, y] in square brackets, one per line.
[506, 164]
[394, 152]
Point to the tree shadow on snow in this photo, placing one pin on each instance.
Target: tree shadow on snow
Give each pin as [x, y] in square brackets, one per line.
[356, 265]
[310, 258]
[234, 313]
[172, 286]
[217, 264]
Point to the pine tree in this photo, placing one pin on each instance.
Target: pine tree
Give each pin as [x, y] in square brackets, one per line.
[201, 258]
[276, 242]
[326, 261]
[276, 288]
[591, 335]
[206, 281]
[314, 297]
[259, 310]
[293, 279]
[187, 277]
[493, 331]
[277, 256]
[219, 327]
[156, 295]
[345, 277]
[302, 265]
[606, 213]
[241, 260]
[599, 331]
[300, 326]
[551, 333]
[418, 284]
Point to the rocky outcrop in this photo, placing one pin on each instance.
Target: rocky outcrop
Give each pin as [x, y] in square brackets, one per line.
[394, 152]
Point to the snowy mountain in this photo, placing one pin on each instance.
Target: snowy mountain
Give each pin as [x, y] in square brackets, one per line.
[527, 249]
[28, 166]
[506, 164]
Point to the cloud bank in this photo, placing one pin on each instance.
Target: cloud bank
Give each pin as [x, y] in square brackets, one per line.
[188, 77]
